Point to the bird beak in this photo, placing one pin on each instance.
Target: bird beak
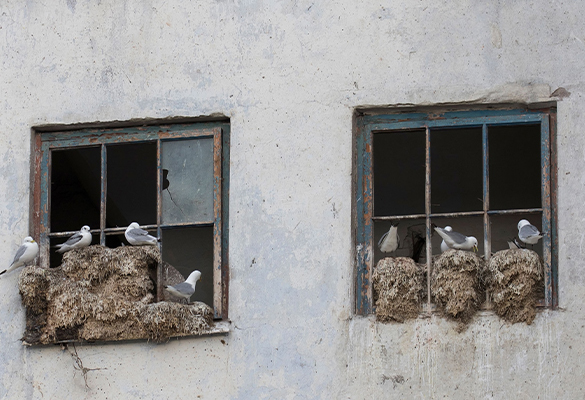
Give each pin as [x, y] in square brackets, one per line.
[475, 248]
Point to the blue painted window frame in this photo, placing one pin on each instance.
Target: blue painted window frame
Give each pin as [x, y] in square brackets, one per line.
[47, 139]
[368, 122]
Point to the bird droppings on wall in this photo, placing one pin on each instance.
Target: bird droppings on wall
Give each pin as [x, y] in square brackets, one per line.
[102, 294]
[515, 280]
[455, 285]
[398, 287]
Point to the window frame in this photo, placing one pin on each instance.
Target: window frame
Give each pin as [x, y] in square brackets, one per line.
[368, 122]
[47, 139]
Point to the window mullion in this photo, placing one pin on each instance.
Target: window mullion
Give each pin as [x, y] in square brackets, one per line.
[428, 213]
[546, 209]
[159, 269]
[217, 251]
[487, 248]
[103, 194]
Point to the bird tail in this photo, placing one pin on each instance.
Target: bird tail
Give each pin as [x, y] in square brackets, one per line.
[3, 272]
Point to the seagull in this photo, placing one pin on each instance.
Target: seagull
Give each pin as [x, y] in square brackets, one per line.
[139, 237]
[78, 241]
[187, 288]
[444, 246]
[389, 241]
[25, 253]
[527, 232]
[455, 240]
[514, 245]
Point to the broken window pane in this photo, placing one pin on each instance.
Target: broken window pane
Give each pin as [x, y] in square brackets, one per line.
[187, 181]
[456, 170]
[514, 167]
[399, 173]
[131, 184]
[188, 249]
[75, 189]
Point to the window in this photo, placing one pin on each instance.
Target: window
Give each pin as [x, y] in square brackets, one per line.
[171, 179]
[479, 171]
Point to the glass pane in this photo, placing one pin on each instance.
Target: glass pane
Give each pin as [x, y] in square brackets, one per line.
[75, 189]
[399, 173]
[515, 167]
[187, 184]
[188, 249]
[456, 170]
[131, 184]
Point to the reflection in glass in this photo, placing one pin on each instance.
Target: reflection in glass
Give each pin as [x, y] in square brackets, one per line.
[399, 173]
[75, 189]
[131, 184]
[188, 249]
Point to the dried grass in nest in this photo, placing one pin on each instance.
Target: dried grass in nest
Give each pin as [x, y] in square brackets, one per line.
[455, 284]
[515, 279]
[398, 287]
[103, 294]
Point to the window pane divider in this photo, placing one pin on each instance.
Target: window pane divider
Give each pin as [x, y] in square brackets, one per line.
[428, 214]
[103, 194]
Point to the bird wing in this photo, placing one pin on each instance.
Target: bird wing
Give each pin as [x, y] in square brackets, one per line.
[451, 237]
[137, 232]
[73, 239]
[184, 288]
[19, 253]
[529, 230]
[382, 238]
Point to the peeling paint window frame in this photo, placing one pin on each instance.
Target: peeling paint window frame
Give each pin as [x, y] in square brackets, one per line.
[367, 122]
[47, 139]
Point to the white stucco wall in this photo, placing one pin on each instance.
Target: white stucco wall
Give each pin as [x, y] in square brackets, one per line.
[289, 75]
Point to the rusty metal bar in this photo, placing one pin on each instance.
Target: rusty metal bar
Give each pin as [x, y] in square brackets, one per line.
[554, 208]
[217, 228]
[398, 217]
[458, 214]
[486, 191]
[104, 194]
[516, 211]
[69, 233]
[546, 210]
[159, 268]
[428, 213]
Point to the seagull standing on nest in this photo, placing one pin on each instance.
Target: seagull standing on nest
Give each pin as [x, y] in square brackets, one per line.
[389, 241]
[187, 288]
[139, 237]
[25, 253]
[78, 241]
[528, 233]
[456, 240]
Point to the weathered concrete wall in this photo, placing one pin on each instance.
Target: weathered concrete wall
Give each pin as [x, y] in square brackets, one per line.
[289, 74]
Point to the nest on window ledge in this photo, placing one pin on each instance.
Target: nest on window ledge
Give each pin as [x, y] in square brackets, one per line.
[398, 287]
[455, 285]
[515, 280]
[103, 294]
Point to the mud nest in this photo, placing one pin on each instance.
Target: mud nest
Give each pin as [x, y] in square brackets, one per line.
[515, 280]
[100, 294]
[398, 287]
[455, 284]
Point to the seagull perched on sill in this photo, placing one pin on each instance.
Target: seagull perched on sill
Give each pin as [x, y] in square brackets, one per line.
[25, 254]
[139, 237]
[187, 288]
[389, 241]
[528, 233]
[456, 240]
[78, 241]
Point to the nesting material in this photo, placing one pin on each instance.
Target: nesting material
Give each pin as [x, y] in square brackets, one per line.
[515, 279]
[455, 284]
[398, 287]
[104, 294]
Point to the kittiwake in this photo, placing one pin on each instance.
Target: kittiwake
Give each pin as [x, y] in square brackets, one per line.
[390, 240]
[25, 253]
[78, 241]
[456, 240]
[527, 232]
[444, 246]
[187, 288]
[139, 237]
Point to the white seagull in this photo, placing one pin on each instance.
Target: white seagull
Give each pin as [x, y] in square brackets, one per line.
[78, 241]
[456, 240]
[25, 253]
[444, 246]
[139, 237]
[390, 240]
[528, 233]
[187, 288]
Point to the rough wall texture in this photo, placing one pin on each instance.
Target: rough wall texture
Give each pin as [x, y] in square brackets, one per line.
[289, 75]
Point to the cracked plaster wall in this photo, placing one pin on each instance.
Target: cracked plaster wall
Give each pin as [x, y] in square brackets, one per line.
[289, 75]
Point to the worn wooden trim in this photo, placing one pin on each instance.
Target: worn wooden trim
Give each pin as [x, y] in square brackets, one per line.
[217, 226]
[546, 209]
[429, 229]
